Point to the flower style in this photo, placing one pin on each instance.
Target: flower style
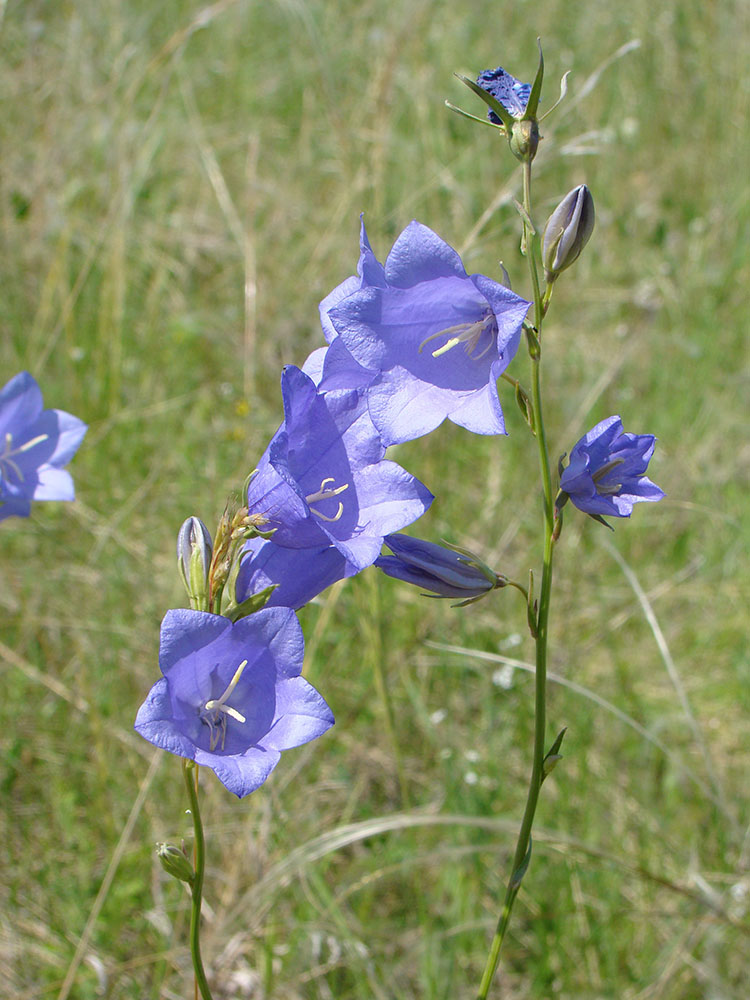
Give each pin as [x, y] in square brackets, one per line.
[512, 94]
[323, 480]
[425, 339]
[232, 697]
[34, 446]
[605, 474]
[442, 571]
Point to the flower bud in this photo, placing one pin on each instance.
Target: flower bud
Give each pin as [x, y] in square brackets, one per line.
[444, 572]
[194, 552]
[174, 862]
[567, 231]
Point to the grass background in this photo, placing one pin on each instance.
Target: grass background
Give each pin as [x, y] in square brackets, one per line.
[180, 185]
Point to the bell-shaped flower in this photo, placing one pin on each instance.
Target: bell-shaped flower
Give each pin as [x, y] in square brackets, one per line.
[297, 575]
[428, 342]
[443, 572]
[323, 480]
[232, 697]
[35, 444]
[605, 474]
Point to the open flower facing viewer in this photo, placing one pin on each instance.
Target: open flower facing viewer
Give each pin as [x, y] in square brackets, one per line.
[35, 444]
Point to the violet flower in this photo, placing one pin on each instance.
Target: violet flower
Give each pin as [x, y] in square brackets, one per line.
[323, 480]
[232, 697]
[512, 94]
[427, 340]
[35, 444]
[605, 474]
[442, 571]
[297, 575]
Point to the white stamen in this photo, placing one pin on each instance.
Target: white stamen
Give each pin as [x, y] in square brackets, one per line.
[466, 333]
[26, 446]
[327, 494]
[218, 710]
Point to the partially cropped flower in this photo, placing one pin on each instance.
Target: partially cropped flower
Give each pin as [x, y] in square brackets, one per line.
[567, 231]
[297, 575]
[442, 571]
[512, 94]
[427, 340]
[232, 697]
[605, 474]
[323, 480]
[35, 444]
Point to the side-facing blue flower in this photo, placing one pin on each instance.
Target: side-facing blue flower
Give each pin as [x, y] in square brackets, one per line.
[605, 474]
[35, 444]
[429, 343]
[323, 480]
[232, 697]
[442, 571]
[512, 94]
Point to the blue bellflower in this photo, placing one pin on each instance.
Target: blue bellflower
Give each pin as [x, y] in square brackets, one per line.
[323, 481]
[427, 340]
[605, 474]
[298, 575]
[512, 94]
[35, 444]
[442, 571]
[232, 697]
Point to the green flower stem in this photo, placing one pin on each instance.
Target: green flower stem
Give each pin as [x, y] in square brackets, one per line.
[190, 773]
[523, 845]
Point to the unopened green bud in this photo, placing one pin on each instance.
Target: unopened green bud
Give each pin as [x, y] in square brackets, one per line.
[567, 231]
[194, 552]
[175, 862]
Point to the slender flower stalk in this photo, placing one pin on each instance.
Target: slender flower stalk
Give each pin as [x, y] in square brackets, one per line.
[190, 773]
[522, 854]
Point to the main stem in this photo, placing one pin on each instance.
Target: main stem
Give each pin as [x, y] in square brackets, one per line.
[189, 771]
[523, 845]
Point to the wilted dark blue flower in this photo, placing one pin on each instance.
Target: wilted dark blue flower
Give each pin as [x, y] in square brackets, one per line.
[323, 480]
[232, 697]
[427, 340]
[442, 571]
[605, 474]
[35, 444]
[512, 94]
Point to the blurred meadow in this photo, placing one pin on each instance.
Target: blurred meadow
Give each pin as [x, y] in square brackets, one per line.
[180, 185]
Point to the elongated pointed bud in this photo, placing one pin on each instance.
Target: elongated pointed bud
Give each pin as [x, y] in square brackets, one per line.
[194, 552]
[175, 862]
[567, 231]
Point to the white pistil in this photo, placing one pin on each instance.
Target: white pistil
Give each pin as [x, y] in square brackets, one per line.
[26, 446]
[466, 333]
[218, 710]
[326, 494]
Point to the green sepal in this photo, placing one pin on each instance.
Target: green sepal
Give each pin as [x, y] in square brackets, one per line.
[474, 118]
[536, 88]
[600, 519]
[517, 876]
[553, 756]
[250, 605]
[492, 102]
